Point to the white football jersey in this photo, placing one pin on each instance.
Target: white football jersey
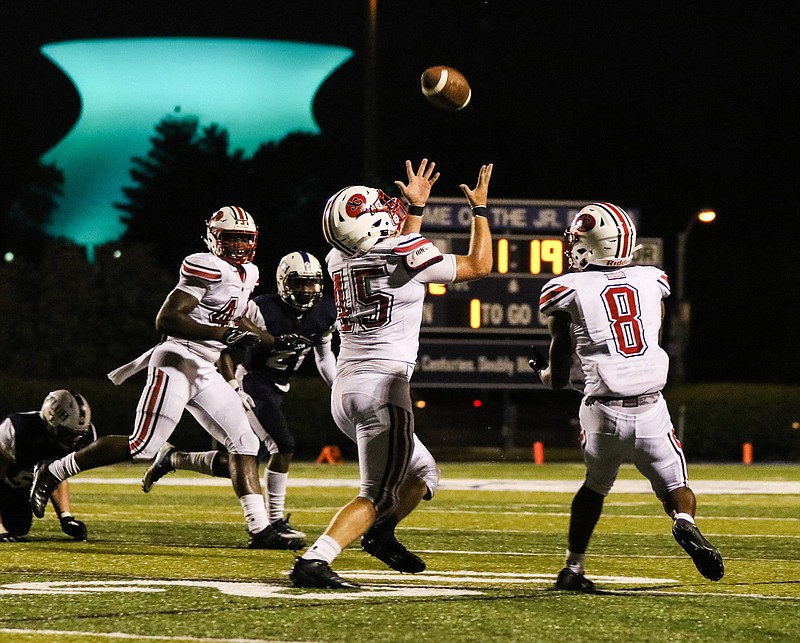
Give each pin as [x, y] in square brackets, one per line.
[223, 291]
[616, 320]
[379, 296]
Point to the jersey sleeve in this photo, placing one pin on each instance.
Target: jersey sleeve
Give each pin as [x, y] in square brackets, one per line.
[663, 283]
[197, 274]
[556, 295]
[253, 313]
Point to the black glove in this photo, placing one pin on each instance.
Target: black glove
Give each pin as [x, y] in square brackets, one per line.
[292, 343]
[73, 527]
[13, 538]
[237, 338]
[537, 361]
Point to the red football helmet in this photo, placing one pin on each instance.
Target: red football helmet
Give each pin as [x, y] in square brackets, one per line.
[232, 235]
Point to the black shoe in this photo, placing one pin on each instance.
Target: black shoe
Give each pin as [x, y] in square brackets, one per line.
[380, 541]
[317, 573]
[270, 538]
[573, 582]
[293, 538]
[44, 483]
[705, 556]
[160, 467]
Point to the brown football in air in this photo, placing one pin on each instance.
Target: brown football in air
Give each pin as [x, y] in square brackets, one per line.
[446, 88]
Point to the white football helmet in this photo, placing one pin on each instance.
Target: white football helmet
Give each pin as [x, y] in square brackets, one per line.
[601, 234]
[67, 415]
[232, 235]
[357, 217]
[300, 280]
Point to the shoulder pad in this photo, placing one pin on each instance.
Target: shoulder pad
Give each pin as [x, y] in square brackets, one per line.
[201, 266]
[421, 256]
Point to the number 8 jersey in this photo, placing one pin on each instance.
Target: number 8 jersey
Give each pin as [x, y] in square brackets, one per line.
[616, 323]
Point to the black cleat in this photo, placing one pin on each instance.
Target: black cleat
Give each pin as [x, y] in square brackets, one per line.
[571, 581]
[293, 538]
[704, 555]
[44, 483]
[317, 573]
[271, 538]
[160, 467]
[380, 541]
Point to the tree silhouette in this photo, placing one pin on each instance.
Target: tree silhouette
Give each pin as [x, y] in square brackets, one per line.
[189, 173]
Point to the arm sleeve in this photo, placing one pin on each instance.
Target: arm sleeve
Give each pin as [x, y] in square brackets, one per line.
[326, 361]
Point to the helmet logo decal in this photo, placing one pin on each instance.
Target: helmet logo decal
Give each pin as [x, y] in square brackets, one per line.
[585, 222]
[355, 205]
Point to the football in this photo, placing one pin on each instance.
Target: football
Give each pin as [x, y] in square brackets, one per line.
[446, 88]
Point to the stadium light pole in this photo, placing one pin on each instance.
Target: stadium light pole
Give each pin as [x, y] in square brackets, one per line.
[681, 324]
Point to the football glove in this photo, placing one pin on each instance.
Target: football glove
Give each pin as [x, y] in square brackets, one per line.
[73, 527]
[292, 343]
[537, 361]
[248, 403]
[13, 538]
[237, 338]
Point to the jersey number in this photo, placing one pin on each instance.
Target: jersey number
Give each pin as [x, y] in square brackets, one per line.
[623, 311]
[373, 308]
[224, 314]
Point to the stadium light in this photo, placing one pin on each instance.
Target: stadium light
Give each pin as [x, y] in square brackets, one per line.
[681, 323]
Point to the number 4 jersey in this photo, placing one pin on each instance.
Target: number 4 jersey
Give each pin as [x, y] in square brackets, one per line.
[616, 321]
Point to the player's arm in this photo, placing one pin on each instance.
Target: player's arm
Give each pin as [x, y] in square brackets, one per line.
[417, 192]
[69, 524]
[173, 319]
[556, 374]
[326, 361]
[478, 261]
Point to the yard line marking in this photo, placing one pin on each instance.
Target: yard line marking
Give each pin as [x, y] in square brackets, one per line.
[125, 635]
[654, 592]
[703, 487]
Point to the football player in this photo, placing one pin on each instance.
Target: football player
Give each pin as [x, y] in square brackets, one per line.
[203, 314]
[301, 319]
[62, 425]
[606, 316]
[380, 266]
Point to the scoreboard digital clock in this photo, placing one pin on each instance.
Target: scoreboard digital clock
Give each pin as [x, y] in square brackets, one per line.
[507, 301]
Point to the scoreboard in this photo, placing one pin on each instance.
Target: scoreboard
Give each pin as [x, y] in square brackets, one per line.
[506, 302]
[477, 334]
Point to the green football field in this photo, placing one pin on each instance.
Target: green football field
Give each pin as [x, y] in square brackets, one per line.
[172, 565]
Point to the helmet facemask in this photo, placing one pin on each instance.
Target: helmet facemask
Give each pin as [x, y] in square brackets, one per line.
[232, 235]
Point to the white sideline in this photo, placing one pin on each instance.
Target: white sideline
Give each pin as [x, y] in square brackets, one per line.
[704, 487]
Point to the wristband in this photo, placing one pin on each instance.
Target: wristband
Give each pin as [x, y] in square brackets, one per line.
[416, 210]
[479, 211]
[234, 384]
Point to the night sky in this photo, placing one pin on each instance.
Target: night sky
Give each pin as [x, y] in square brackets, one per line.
[667, 107]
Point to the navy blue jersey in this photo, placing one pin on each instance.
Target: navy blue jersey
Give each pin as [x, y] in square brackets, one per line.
[315, 325]
[33, 443]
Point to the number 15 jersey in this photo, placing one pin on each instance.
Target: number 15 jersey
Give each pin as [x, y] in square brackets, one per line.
[616, 321]
[379, 296]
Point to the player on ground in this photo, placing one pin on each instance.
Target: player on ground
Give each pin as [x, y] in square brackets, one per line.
[202, 315]
[609, 315]
[380, 266]
[62, 425]
[300, 318]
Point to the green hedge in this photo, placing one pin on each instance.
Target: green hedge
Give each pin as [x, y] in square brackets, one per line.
[719, 418]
